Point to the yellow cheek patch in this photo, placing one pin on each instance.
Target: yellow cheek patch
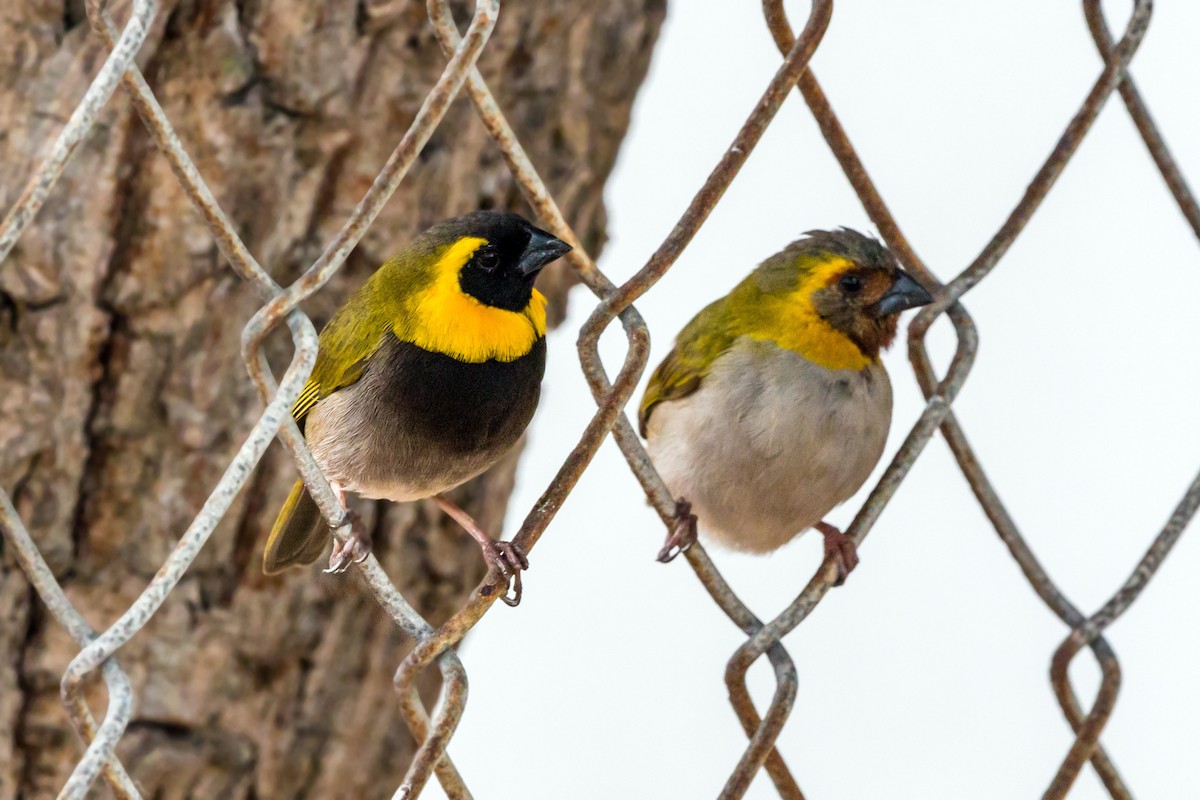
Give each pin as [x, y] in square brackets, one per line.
[449, 321]
[792, 322]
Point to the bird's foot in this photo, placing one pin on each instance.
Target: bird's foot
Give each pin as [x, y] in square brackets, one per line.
[507, 559]
[682, 536]
[840, 549]
[355, 549]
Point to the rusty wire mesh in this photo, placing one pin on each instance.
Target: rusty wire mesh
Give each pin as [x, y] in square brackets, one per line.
[98, 649]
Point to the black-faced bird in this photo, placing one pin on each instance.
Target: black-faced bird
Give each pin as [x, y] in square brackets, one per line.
[425, 377]
[773, 407]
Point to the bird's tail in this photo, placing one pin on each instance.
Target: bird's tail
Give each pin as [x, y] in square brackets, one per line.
[299, 535]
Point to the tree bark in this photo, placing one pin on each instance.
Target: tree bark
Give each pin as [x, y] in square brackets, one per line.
[123, 395]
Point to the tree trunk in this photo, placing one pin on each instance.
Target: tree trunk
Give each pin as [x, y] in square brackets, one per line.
[123, 395]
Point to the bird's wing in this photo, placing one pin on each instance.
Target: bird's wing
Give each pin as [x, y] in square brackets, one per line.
[345, 347]
[699, 344]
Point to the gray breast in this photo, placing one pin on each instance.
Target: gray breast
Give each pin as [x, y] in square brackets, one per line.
[770, 442]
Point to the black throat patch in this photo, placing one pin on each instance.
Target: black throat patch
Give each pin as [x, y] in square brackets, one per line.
[463, 407]
[506, 289]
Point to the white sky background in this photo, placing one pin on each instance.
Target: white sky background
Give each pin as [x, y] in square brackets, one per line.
[926, 676]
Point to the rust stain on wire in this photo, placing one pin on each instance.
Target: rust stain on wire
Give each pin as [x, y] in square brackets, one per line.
[434, 733]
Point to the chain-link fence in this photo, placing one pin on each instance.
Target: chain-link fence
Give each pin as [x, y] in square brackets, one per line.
[99, 649]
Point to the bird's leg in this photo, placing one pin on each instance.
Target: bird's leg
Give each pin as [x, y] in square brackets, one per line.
[357, 547]
[840, 549]
[683, 535]
[506, 558]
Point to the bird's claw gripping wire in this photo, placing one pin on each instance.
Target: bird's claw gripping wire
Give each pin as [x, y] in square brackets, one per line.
[840, 550]
[682, 536]
[508, 560]
[355, 549]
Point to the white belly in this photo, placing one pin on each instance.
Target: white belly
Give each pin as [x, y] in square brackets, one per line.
[770, 443]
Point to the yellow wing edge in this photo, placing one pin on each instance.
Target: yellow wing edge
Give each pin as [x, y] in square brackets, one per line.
[310, 395]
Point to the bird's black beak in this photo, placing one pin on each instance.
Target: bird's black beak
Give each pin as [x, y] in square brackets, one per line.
[905, 293]
[541, 250]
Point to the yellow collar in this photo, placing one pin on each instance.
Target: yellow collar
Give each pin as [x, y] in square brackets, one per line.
[444, 319]
[791, 322]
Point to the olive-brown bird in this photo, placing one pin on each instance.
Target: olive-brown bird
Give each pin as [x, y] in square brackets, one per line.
[773, 407]
[424, 378]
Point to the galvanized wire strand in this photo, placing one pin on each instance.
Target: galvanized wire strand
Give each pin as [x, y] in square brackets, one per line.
[1140, 114]
[229, 243]
[99, 740]
[1087, 632]
[454, 676]
[430, 114]
[1088, 730]
[29, 558]
[78, 125]
[169, 574]
[1047, 175]
[786, 678]
[515, 157]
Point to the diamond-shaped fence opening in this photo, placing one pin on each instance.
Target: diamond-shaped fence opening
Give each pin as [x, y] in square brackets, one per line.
[100, 650]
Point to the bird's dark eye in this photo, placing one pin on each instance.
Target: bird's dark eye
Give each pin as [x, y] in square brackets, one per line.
[852, 284]
[487, 259]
